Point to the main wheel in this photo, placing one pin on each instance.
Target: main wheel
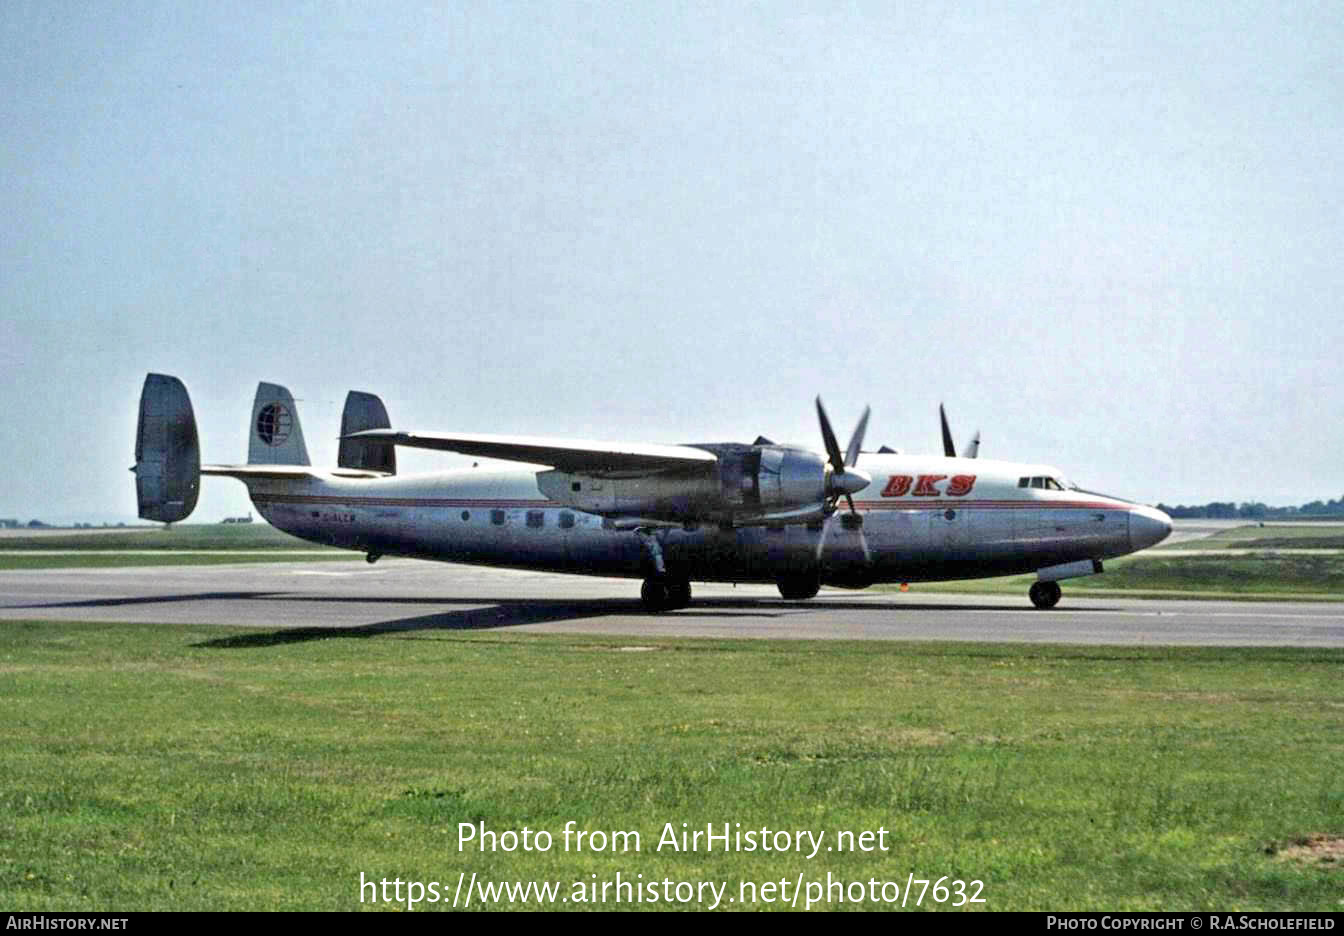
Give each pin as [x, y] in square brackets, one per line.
[678, 593]
[655, 595]
[799, 587]
[1044, 594]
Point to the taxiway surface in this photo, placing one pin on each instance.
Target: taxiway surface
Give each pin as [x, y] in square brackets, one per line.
[403, 595]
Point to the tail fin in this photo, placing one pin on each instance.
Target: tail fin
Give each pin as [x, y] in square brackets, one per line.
[167, 451]
[276, 437]
[365, 411]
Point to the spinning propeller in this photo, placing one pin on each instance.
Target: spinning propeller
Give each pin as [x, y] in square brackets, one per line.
[843, 479]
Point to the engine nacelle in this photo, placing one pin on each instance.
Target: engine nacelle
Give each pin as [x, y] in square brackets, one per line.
[747, 483]
[771, 479]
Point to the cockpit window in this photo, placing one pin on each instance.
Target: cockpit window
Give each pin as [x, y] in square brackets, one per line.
[1047, 484]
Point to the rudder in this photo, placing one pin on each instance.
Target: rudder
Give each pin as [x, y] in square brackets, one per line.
[167, 451]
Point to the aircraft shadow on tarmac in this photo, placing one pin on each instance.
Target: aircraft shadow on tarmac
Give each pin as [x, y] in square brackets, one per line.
[505, 613]
[493, 612]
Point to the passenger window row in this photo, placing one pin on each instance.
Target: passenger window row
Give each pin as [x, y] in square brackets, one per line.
[536, 519]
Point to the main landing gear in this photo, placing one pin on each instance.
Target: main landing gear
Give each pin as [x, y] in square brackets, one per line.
[798, 587]
[663, 593]
[1044, 594]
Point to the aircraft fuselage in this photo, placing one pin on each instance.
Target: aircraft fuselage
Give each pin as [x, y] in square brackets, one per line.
[923, 519]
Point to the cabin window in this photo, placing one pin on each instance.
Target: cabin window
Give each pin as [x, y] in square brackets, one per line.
[1023, 482]
[536, 519]
[497, 517]
[575, 486]
[1052, 485]
[466, 515]
[1038, 482]
[566, 520]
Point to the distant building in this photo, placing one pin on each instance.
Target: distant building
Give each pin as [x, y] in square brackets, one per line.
[6, 524]
[247, 519]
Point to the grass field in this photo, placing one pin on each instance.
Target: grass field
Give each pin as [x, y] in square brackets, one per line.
[158, 767]
[1152, 575]
[183, 544]
[203, 536]
[1269, 537]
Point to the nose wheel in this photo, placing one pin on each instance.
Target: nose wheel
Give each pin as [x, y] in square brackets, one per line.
[1044, 594]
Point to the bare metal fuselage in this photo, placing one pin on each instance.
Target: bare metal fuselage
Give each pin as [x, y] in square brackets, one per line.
[502, 518]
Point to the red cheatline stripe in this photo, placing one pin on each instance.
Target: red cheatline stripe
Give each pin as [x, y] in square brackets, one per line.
[903, 504]
[397, 501]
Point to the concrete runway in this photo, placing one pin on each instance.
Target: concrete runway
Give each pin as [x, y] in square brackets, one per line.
[401, 595]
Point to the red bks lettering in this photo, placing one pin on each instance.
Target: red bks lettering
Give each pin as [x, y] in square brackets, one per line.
[897, 485]
[925, 487]
[960, 485]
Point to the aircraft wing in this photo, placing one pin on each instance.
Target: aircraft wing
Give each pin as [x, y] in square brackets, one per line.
[577, 456]
[285, 472]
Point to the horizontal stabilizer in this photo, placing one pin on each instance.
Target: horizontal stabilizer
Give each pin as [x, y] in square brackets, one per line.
[577, 456]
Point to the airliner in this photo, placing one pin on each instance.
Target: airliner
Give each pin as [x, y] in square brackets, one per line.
[669, 515]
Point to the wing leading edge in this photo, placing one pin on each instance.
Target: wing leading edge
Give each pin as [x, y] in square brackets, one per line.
[577, 456]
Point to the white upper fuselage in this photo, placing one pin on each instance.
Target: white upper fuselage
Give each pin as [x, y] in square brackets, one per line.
[923, 518]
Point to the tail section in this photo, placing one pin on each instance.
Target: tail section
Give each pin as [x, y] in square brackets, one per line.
[276, 437]
[167, 451]
[365, 411]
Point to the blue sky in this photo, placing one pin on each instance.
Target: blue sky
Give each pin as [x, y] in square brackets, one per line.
[1106, 235]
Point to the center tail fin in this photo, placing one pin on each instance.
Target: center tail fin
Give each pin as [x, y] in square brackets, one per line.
[365, 411]
[275, 438]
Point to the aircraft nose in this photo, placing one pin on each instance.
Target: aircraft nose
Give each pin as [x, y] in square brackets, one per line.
[1147, 527]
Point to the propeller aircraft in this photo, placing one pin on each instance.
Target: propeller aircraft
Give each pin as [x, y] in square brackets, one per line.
[666, 514]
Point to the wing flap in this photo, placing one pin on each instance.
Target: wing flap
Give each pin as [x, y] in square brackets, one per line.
[578, 456]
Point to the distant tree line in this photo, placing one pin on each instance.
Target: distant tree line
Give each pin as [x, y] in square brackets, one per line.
[1254, 510]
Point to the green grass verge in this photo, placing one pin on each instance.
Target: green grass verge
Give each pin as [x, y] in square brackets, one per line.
[118, 560]
[178, 536]
[1297, 577]
[193, 544]
[175, 768]
[1270, 536]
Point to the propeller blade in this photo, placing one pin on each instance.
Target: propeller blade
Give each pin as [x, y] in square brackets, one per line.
[828, 436]
[856, 440]
[949, 449]
[842, 480]
[973, 450]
